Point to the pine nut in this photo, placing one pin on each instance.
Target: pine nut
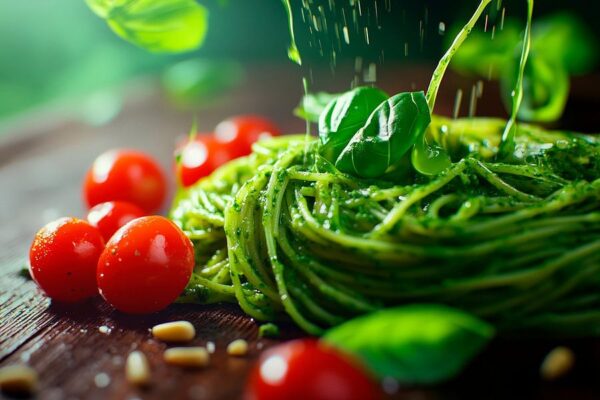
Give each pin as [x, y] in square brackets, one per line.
[137, 369]
[104, 330]
[18, 379]
[557, 363]
[238, 347]
[187, 356]
[178, 331]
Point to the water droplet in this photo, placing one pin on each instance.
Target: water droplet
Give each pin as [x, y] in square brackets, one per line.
[102, 380]
[442, 28]
[346, 35]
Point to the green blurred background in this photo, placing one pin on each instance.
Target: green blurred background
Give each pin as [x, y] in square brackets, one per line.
[56, 51]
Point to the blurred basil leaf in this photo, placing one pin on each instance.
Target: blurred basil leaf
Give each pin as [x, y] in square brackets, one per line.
[485, 57]
[545, 88]
[344, 116]
[158, 26]
[421, 344]
[391, 130]
[312, 105]
[560, 45]
[564, 39]
[191, 82]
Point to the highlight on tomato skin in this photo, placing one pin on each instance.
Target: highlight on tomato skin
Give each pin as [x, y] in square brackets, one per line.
[308, 369]
[240, 132]
[63, 259]
[145, 266]
[125, 175]
[110, 216]
[199, 157]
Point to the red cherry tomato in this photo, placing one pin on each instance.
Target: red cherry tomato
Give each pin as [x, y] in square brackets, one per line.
[307, 369]
[110, 216]
[125, 175]
[145, 265]
[239, 133]
[63, 259]
[199, 157]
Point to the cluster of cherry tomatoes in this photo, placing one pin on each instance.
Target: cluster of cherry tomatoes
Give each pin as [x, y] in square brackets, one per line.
[232, 138]
[137, 261]
[140, 262]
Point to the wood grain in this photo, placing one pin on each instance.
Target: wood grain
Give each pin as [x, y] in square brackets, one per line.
[40, 173]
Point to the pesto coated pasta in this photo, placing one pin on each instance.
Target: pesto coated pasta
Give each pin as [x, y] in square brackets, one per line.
[286, 235]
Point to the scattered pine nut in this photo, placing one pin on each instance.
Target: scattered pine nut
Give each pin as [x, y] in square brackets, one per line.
[18, 379]
[238, 348]
[187, 356]
[104, 330]
[557, 363]
[137, 369]
[178, 331]
[210, 347]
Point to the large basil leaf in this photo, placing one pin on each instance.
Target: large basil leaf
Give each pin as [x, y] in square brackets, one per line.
[344, 116]
[393, 127]
[421, 344]
[160, 26]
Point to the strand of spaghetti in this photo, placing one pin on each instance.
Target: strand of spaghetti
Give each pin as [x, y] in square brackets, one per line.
[417, 194]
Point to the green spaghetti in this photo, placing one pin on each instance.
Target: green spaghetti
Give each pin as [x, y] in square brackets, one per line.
[393, 205]
[516, 244]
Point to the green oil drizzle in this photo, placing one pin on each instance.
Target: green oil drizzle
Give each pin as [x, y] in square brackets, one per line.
[431, 159]
[293, 52]
[507, 145]
[307, 135]
[440, 70]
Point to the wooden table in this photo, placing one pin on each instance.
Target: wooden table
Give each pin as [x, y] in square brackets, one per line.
[41, 168]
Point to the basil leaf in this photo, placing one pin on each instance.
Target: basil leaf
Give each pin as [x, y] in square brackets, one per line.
[313, 104]
[199, 81]
[159, 26]
[423, 343]
[344, 116]
[485, 57]
[545, 88]
[393, 127]
[565, 38]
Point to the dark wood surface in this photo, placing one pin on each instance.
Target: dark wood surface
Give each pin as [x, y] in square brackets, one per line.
[41, 167]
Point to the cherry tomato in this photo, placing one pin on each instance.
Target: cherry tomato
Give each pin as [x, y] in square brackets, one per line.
[110, 216]
[125, 175]
[239, 133]
[63, 259]
[199, 157]
[307, 369]
[146, 264]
